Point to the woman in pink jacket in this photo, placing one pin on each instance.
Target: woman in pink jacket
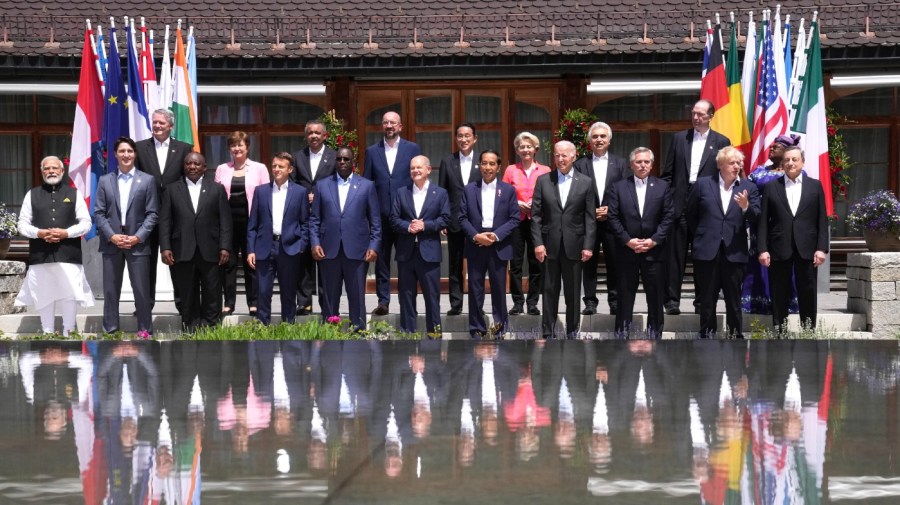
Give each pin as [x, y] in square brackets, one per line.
[240, 176]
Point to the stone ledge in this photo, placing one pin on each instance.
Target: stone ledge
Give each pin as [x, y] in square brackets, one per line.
[874, 260]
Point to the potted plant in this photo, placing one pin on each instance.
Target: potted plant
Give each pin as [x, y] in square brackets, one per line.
[8, 229]
[878, 217]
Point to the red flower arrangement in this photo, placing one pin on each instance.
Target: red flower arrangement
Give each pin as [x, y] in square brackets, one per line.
[574, 127]
[838, 159]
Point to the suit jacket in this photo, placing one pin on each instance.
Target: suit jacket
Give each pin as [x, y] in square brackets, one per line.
[626, 222]
[174, 169]
[387, 182]
[435, 213]
[302, 173]
[616, 170]
[294, 235]
[183, 231]
[564, 230]
[140, 217]
[506, 217]
[357, 228]
[779, 230]
[450, 178]
[677, 170]
[255, 174]
[712, 227]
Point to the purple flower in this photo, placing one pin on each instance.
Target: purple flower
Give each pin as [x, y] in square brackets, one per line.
[143, 335]
[334, 319]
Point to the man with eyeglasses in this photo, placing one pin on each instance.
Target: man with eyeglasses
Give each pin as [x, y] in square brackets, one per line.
[387, 165]
[54, 217]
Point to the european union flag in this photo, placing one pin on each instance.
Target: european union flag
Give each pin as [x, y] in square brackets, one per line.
[115, 101]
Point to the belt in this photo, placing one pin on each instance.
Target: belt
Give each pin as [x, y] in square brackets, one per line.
[276, 237]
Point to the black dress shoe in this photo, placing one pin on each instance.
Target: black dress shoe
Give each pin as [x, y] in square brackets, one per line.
[454, 311]
[380, 310]
[533, 311]
[516, 310]
[304, 311]
[673, 311]
[589, 310]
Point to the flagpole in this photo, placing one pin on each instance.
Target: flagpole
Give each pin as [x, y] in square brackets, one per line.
[719, 27]
[94, 54]
[112, 33]
[101, 54]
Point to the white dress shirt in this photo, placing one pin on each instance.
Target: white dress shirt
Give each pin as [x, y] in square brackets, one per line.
[162, 153]
[601, 168]
[488, 196]
[124, 180]
[315, 159]
[390, 153]
[343, 187]
[465, 167]
[564, 184]
[793, 190]
[194, 191]
[697, 147]
[418, 196]
[725, 193]
[279, 200]
[640, 185]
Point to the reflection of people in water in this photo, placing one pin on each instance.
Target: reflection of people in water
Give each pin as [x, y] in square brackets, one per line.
[525, 417]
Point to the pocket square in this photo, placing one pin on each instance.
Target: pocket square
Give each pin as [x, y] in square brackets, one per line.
[66, 200]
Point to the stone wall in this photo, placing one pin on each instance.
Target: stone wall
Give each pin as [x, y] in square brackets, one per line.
[12, 275]
[873, 289]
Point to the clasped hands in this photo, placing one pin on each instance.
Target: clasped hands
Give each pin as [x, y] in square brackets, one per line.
[123, 241]
[485, 238]
[641, 245]
[53, 235]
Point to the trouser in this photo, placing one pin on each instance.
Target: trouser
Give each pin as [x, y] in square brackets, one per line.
[780, 283]
[455, 247]
[570, 272]
[139, 274]
[48, 318]
[350, 274]
[716, 274]
[523, 247]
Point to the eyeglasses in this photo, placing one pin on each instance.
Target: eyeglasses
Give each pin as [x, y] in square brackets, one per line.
[343, 158]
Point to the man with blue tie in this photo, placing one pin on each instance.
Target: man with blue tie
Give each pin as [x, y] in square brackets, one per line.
[488, 214]
[276, 235]
[125, 213]
[640, 216]
[418, 214]
[719, 209]
[387, 165]
[346, 207]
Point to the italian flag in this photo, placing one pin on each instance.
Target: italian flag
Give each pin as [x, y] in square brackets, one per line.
[810, 119]
[183, 103]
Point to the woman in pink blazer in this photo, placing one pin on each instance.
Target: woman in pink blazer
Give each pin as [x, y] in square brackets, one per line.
[240, 177]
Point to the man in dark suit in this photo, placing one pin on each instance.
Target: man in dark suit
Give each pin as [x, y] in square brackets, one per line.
[718, 211]
[162, 157]
[489, 241]
[195, 232]
[564, 228]
[605, 169]
[276, 235]
[311, 164]
[346, 207]
[692, 154]
[387, 165]
[125, 213]
[457, 170]
[793, 237]
[640, 216]
[419, 213]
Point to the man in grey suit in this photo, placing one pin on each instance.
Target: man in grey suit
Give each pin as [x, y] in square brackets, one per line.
[605, 168]
[125, 213]
[564, 228]
[311, 164]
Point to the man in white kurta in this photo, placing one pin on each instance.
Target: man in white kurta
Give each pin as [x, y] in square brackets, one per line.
[54, 217]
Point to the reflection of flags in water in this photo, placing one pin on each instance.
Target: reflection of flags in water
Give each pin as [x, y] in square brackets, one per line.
[600, 422]
[771, 110]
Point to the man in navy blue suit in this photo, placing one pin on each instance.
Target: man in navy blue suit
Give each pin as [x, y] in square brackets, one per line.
[387, 165]
[640, 216]
[346, 206]
[718, 210]
[418, 214]
[276, 235]
[488, 214]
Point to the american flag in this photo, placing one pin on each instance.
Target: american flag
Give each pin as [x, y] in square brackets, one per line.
[771, 110]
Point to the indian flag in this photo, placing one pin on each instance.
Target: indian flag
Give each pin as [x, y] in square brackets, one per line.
[810, 119]
[183, 102]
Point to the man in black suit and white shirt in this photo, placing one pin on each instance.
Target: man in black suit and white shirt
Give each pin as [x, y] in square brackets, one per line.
[605, 169]
[162, 157]
[793, 238]
[640, 215]
[564, 228]
[457, 170]
[312, 164]
[195, 237]
[691, 155]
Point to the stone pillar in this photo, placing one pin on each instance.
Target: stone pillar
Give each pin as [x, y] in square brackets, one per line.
[12, 275]
[873, 289]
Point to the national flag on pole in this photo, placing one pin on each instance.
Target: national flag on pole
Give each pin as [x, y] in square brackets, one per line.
[86, 160]
[115, 112]
[713, 86]
[148, 70]
[770, 117]
[101, 54]
[192, 74]
[138, 117]
[165, 78]
[183, 101]
[810, 119]
[749, 73]
[788, 60]
[730, 119]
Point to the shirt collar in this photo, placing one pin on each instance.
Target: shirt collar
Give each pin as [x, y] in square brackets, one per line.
[491, 185]
[640, 182]
[733, 183]
[341, 180]
[165, 143]
[604, 157]
[320, 153]
[189, 183]
[798, 180]
[283, 187]
[126, 175]
[698, 135]
[564, 177]
[417, 191]
[463, 157]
